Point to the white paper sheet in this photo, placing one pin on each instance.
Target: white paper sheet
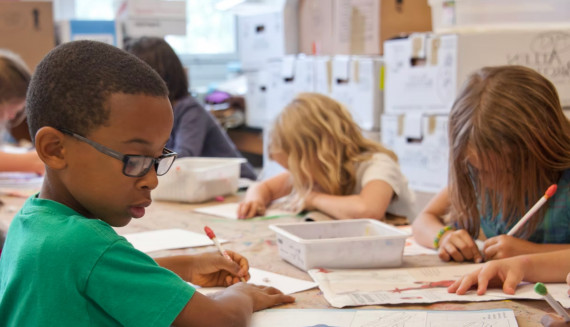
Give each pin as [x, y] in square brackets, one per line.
[382, 318]
[229, 211]
[414, 285]
[414, 248]
[167, 239]
[285, 284]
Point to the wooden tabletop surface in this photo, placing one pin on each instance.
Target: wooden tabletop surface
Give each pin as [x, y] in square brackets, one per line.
[256, 241]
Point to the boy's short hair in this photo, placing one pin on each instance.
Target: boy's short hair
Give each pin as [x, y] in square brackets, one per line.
[72, 84]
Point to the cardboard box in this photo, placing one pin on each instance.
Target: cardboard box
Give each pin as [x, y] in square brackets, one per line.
[97, 30]
[329, 27]
[356, 83]
[421, 144]
[167, 9]
[429, 88]
[256, 99]
[152, 17]
[27, 29]
[453, 15]
[323, 75]
[266, 36]
[450, 59]
[157, 27]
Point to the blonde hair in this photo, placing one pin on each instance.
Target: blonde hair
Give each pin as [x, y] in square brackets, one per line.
[323, 145]
[14, 77]
[510, 118]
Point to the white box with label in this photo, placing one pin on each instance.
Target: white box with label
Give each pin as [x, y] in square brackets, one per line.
[449, 59]
[356, 84]
[267, 35]
[421, 144]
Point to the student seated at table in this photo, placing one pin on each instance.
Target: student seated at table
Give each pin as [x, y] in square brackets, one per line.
[331, 166]
[100, 118]
[196, 133]
[551, 267]
[14, 79]
[509, 141]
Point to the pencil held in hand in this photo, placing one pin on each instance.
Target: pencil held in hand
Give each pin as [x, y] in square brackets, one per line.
[214, 239]
[550, 192]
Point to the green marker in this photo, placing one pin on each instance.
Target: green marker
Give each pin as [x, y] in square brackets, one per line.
[541, 289]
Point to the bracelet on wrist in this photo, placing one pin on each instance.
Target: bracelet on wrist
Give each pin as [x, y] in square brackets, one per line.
[440, 234]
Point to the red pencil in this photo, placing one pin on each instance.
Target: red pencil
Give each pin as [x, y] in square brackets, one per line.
[213, 237]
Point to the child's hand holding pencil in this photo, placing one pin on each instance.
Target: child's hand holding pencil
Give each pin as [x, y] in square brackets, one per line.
[211, 269]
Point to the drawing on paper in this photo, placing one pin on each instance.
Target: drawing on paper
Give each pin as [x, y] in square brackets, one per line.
[425, 285]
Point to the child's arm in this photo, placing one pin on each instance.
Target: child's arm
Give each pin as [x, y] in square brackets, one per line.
[547, 267]
[372, 202]
[504, 246]
[22, 162]
[259, 195]
[230, 307]
[457, 245]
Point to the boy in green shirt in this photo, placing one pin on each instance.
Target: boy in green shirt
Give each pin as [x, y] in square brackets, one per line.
[100, 119]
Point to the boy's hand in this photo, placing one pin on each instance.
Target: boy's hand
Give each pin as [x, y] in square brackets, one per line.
[552, 320]
[250, 209]
[458, 245]
[212, 269]
[509, 272]
[262, 296]
[504, 246]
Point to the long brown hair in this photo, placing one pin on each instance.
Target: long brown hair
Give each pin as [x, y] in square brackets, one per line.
[14, 77]
[323, 144]
[161, 57]
[510, 119]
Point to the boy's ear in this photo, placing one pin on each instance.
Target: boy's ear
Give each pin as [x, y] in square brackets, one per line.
[50, 147]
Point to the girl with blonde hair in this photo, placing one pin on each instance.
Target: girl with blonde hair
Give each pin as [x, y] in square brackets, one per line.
[331, 166]
[509, 141]
[14, 79]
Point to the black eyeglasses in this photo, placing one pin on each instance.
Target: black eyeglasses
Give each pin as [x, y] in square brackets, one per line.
[133, 165]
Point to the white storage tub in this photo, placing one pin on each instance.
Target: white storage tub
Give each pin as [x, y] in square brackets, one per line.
[199, 179]
[449, 15]
[356, 243]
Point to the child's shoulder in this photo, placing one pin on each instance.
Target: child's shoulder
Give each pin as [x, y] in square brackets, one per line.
[58, 224]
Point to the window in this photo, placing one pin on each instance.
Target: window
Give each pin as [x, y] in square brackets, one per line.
[208, 31]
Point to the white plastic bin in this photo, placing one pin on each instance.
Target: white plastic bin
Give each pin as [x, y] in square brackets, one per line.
[357, 243]
[199, 179]
[448, 15]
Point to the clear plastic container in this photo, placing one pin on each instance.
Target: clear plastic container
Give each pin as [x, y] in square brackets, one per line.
[355, 243]
[199, 179]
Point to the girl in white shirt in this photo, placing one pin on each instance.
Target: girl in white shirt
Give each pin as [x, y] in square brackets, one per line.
[331, 166]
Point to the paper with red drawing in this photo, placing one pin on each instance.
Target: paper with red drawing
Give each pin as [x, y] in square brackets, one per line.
[343, 288]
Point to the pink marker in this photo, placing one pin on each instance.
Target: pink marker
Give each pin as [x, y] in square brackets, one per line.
[549, 193]
[214, 239]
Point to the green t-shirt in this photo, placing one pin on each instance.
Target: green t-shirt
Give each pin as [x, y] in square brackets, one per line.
[59, 268]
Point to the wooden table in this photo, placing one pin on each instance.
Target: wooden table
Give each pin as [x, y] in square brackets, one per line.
[256, 241]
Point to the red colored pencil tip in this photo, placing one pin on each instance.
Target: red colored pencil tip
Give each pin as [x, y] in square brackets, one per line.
[551, 190]
[209, 232]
